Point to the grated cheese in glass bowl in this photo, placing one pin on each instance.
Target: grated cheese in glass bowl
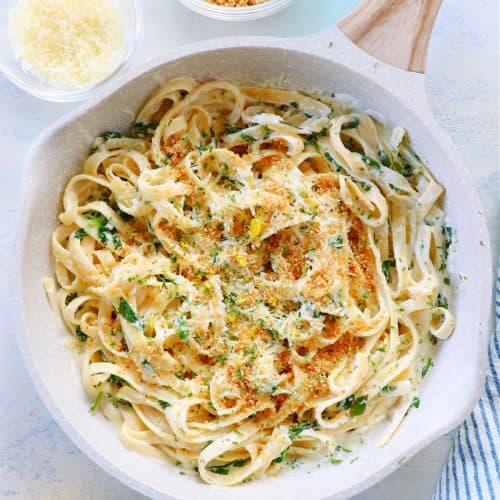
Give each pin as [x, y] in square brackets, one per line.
[64, 50]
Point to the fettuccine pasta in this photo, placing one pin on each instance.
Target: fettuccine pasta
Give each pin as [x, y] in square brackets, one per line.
[251, 275]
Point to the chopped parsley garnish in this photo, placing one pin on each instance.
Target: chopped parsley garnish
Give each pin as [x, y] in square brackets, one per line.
[231, 180]
[221, 358]
[442, 301]
[97, 402]
[339, 447]
[117, 242]
[231, 129]
[331, 159]
[386, 266]
[104, 228]
[81, 336]
[384, 159]
[337, 242]
[124, 216]
[248, 137]
[364, 185]
[427, 366]
[81, 233]
[313, 139]
[115, 379]
[148, 366]
[389, 388]
[281, 457]
[181, 328]
[126, 311]
[225, 468]
[214, 252]
[165, 280]
[448, 235]
[353, 123]
[102, 233]
[201, 147]
[140, 128]
[415, 402]
[403, 167]
[346, 403]
[103, 355]
[371, 162]
[311, 213]
[296, 429]
[267, 131]
[251, 352]
[415, 155]
[328, 156]
[163, 404]
[335, 461]
[294, 105]
[111, 135]
[358, 406]
[117, 402]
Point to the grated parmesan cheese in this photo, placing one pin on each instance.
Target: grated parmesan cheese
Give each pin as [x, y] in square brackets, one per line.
[68, 43]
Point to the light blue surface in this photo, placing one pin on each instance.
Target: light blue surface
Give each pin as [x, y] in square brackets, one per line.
[473, 468]
[37, 461]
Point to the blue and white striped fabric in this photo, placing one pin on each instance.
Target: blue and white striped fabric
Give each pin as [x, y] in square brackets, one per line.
[472, 470]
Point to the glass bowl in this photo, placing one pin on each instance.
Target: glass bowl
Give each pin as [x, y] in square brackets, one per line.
[11, 67]
[236, 13]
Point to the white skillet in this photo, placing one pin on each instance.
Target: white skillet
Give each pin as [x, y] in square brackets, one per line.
[394, 31]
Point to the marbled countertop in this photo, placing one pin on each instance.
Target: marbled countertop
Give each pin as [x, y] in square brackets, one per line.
[37, 461]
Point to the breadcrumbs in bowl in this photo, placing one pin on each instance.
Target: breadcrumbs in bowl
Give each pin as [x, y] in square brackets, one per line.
[236, 3]
[236, 10]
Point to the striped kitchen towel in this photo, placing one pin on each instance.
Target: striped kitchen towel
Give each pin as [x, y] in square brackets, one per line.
[472, 470]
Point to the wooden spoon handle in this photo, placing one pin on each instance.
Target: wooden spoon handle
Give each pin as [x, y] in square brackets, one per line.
[394, 31]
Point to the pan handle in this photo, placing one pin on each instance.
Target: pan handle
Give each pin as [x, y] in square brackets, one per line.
[394, 31]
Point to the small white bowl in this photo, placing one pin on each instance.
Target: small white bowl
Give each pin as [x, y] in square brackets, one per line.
[12, 68]
[236, 13]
